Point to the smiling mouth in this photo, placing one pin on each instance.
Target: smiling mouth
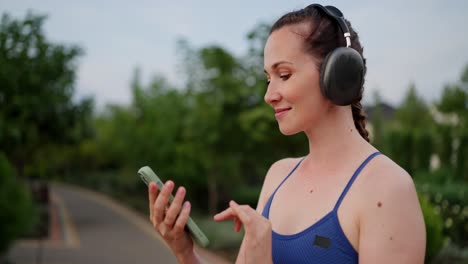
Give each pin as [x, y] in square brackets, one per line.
[281, 110]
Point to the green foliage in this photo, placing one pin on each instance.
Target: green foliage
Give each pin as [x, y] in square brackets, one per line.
[453, 145]
[437, 177]
[413, 112]
[434, 226]
[410, 140]
[17, 214]
[36, 106]
[400, 147]
[454, 99]
[423, 148]
[452, 254]
[444, 144]
[450, 200]
[247, 195]
[461, 162]
[377, 133]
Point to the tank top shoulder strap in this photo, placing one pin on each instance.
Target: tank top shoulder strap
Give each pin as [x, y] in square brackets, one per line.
[266, 209]
[289, 174]
[351, 181]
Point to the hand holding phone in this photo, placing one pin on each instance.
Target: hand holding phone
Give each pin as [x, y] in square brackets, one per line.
[147, 175]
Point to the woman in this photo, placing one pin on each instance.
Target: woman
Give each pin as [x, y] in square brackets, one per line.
[344, 202]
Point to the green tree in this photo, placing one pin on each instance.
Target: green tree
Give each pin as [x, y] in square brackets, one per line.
[218, 99]
[444, 144]
[411, 139]
[454, 106]
[413, 113]
[377, 121]
[36, 96]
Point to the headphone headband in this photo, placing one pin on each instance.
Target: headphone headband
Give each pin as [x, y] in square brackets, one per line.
[337, 15]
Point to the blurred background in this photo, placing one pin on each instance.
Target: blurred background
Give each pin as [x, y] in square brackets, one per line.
[92, 91]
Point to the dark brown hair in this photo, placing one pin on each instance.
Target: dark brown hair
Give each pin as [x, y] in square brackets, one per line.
[325, 36]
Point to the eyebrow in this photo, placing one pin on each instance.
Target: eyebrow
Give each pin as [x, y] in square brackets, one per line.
[276, 64]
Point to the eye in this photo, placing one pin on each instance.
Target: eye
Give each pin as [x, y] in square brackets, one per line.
[284, 77]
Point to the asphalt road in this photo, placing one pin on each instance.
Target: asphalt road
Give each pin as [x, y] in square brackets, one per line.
[91, 228]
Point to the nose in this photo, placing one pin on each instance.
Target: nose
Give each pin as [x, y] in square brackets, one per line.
[272, 95]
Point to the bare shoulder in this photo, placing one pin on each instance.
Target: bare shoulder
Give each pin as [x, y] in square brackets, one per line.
[392, 227]
[280, 169]
[385, 177]
[387, 186]
[276, 173]
[383, 171]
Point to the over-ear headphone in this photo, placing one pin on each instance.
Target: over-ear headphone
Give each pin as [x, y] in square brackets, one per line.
[342, 71]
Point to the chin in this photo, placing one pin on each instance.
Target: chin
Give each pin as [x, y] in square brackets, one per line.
[288, 131]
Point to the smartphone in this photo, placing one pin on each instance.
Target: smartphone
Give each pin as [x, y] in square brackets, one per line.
[148, 175]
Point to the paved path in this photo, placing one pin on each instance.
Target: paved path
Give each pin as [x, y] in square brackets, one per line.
[90, 228]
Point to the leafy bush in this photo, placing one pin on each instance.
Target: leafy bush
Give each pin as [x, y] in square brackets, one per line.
[16, 207]
[451, 254]
[434, 228]
[450, 200]
[438, 177]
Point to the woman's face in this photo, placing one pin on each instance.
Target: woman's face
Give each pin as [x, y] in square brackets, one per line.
[293, 90]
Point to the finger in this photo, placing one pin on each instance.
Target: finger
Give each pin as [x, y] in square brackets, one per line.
[225, 215]
[175, 207]
[162, 200]
[242, 212]
[237, 224]
[152, 194]
[182, 219]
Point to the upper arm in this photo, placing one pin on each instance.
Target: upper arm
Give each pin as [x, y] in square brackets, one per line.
[392, 226]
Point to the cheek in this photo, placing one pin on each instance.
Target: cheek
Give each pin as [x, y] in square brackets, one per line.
[307, 91]
[310, 103]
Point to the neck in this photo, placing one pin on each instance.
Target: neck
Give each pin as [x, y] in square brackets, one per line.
[336, 137]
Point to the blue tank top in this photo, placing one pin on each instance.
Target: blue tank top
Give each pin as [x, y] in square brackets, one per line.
[322, 242]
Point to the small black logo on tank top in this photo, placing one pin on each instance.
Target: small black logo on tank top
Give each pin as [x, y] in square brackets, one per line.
[323, 242]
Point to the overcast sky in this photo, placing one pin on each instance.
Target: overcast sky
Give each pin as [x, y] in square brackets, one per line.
[420, 42]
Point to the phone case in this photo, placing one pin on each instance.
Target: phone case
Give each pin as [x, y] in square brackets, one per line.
[148, 175]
